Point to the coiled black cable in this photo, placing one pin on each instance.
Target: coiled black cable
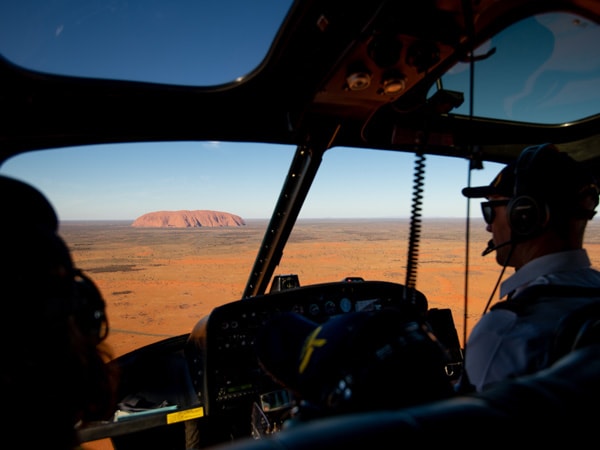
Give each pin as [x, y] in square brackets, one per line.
[415, 221]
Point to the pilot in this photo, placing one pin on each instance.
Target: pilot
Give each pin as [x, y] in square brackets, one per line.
[54, 375]
[537, 210]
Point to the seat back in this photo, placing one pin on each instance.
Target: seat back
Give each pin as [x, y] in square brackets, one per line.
[579, 328]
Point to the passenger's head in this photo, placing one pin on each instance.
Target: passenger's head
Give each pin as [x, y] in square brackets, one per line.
[54, 373]
[544, 200]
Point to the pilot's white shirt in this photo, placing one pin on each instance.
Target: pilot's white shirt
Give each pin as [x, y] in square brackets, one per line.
[503, 345]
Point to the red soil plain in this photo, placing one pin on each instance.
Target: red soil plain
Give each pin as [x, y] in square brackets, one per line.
[158, 282]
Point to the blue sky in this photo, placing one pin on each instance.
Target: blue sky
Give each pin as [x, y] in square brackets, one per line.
[196, 42]
[84, 183]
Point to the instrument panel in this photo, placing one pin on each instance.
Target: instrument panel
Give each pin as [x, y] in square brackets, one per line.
[220, 352]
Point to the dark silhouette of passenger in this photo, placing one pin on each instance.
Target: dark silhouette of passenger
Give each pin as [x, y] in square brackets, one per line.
[54, 376]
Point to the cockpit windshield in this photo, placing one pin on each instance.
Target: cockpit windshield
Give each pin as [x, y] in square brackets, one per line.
[545, 82]
[179, 43]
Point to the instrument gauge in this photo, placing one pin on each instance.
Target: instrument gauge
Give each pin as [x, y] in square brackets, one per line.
[329, 307]
[345, 304]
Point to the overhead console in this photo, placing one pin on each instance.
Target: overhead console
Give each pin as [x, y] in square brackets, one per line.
[397, 52]
[220, 352]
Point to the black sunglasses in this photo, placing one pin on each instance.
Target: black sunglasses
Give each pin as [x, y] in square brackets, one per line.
[488, 209]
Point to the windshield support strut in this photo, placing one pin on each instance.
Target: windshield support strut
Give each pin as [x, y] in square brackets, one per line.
[298, 181]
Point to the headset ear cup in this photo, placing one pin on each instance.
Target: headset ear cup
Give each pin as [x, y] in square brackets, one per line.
[89, 308]
[526, 216]
[528, 212]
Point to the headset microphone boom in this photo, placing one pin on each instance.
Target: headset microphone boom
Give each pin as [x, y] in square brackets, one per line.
[491, 247]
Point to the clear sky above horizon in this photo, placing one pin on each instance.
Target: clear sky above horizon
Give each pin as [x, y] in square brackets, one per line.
[86, 184]
[207, 43]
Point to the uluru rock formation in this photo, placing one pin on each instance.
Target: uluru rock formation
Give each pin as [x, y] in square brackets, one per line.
[188, 219]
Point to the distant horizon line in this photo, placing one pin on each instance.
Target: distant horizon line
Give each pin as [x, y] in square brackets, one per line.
[325, 219]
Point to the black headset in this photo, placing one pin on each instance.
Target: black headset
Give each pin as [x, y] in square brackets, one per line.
[528, 211]
[89, 308]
